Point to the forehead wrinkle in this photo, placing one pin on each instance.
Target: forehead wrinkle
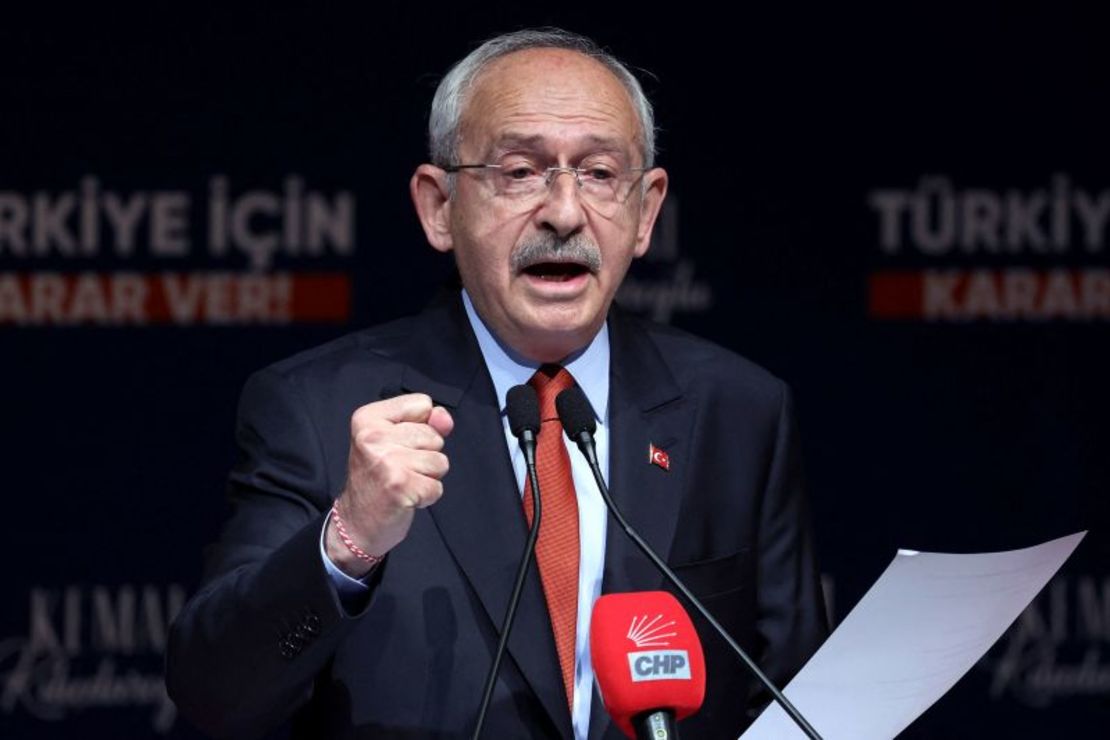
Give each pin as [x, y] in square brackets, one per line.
[549, 101]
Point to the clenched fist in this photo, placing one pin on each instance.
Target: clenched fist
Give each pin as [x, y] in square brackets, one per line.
[395, 466]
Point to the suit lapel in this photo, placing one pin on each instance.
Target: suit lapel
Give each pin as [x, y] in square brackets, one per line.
[480, 516]
[646, 407]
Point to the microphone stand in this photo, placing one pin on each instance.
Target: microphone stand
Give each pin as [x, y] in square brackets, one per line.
[528, 447]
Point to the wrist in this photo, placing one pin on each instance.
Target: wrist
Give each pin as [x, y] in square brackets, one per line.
[344, 551]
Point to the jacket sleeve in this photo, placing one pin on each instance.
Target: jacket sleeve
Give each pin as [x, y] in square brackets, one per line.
[244, 651]
[791, 621]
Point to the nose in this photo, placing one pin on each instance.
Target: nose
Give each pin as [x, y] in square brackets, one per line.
[562, 211]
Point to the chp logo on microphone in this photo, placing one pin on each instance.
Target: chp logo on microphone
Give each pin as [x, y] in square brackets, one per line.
[656, 665]
[646, 656]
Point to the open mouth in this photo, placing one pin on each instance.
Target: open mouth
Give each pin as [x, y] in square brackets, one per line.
[558, 272]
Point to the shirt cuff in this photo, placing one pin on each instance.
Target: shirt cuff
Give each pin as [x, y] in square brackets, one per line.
[347, 587]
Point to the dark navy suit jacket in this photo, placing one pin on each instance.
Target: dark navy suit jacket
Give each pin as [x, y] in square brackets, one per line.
[266, 642]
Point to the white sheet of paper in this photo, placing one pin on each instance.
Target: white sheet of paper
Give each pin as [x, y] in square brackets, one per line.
[922, 626]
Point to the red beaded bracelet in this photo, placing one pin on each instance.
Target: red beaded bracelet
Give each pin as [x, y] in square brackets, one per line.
[343, 535]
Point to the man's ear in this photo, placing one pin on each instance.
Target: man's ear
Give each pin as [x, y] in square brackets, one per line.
[654, 190]
[432, 199]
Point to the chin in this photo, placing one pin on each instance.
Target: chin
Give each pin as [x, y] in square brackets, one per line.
[552, 341]
[579, 311]
[560, 321]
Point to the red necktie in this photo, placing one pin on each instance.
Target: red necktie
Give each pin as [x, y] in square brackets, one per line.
[557, 548]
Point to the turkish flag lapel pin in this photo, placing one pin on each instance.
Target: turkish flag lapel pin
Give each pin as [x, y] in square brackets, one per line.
[658, 456]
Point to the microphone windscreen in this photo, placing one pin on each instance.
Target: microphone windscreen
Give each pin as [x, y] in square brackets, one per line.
[646, 656]
[575, 412]
[523, 409]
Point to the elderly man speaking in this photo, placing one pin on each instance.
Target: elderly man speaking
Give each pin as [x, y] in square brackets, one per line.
[379, 507]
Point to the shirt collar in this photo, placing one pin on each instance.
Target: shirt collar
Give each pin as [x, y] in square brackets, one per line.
[507, 368]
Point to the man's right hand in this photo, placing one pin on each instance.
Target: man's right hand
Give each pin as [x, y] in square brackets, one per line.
[394, 467]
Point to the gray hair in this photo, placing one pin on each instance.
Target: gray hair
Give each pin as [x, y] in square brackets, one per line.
[450, 97]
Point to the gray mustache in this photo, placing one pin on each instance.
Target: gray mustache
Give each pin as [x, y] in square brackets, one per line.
[547, 247]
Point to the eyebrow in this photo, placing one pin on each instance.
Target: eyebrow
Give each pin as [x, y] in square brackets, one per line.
[510, 141]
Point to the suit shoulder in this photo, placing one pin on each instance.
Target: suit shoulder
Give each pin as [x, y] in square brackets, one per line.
[372, 346]
[700, 363]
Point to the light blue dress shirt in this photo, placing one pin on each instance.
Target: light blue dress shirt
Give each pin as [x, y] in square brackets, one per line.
[590, 368]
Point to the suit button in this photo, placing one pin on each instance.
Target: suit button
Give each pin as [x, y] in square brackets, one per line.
[311, 624]
[287, 649]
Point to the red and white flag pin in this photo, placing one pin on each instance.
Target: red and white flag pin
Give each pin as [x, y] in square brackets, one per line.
[658, 456]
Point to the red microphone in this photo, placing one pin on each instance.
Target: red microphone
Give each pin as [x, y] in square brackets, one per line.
[648, 662]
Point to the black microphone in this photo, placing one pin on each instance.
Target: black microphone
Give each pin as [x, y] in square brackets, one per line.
[577, 417]
[523, 409]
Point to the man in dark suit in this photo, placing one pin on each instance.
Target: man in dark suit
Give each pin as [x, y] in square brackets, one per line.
[358, 588]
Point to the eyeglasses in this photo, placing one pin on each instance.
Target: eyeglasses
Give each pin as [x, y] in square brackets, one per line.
[523, 184]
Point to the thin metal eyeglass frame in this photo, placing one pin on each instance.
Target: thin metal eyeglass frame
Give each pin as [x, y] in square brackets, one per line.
[550, 173]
